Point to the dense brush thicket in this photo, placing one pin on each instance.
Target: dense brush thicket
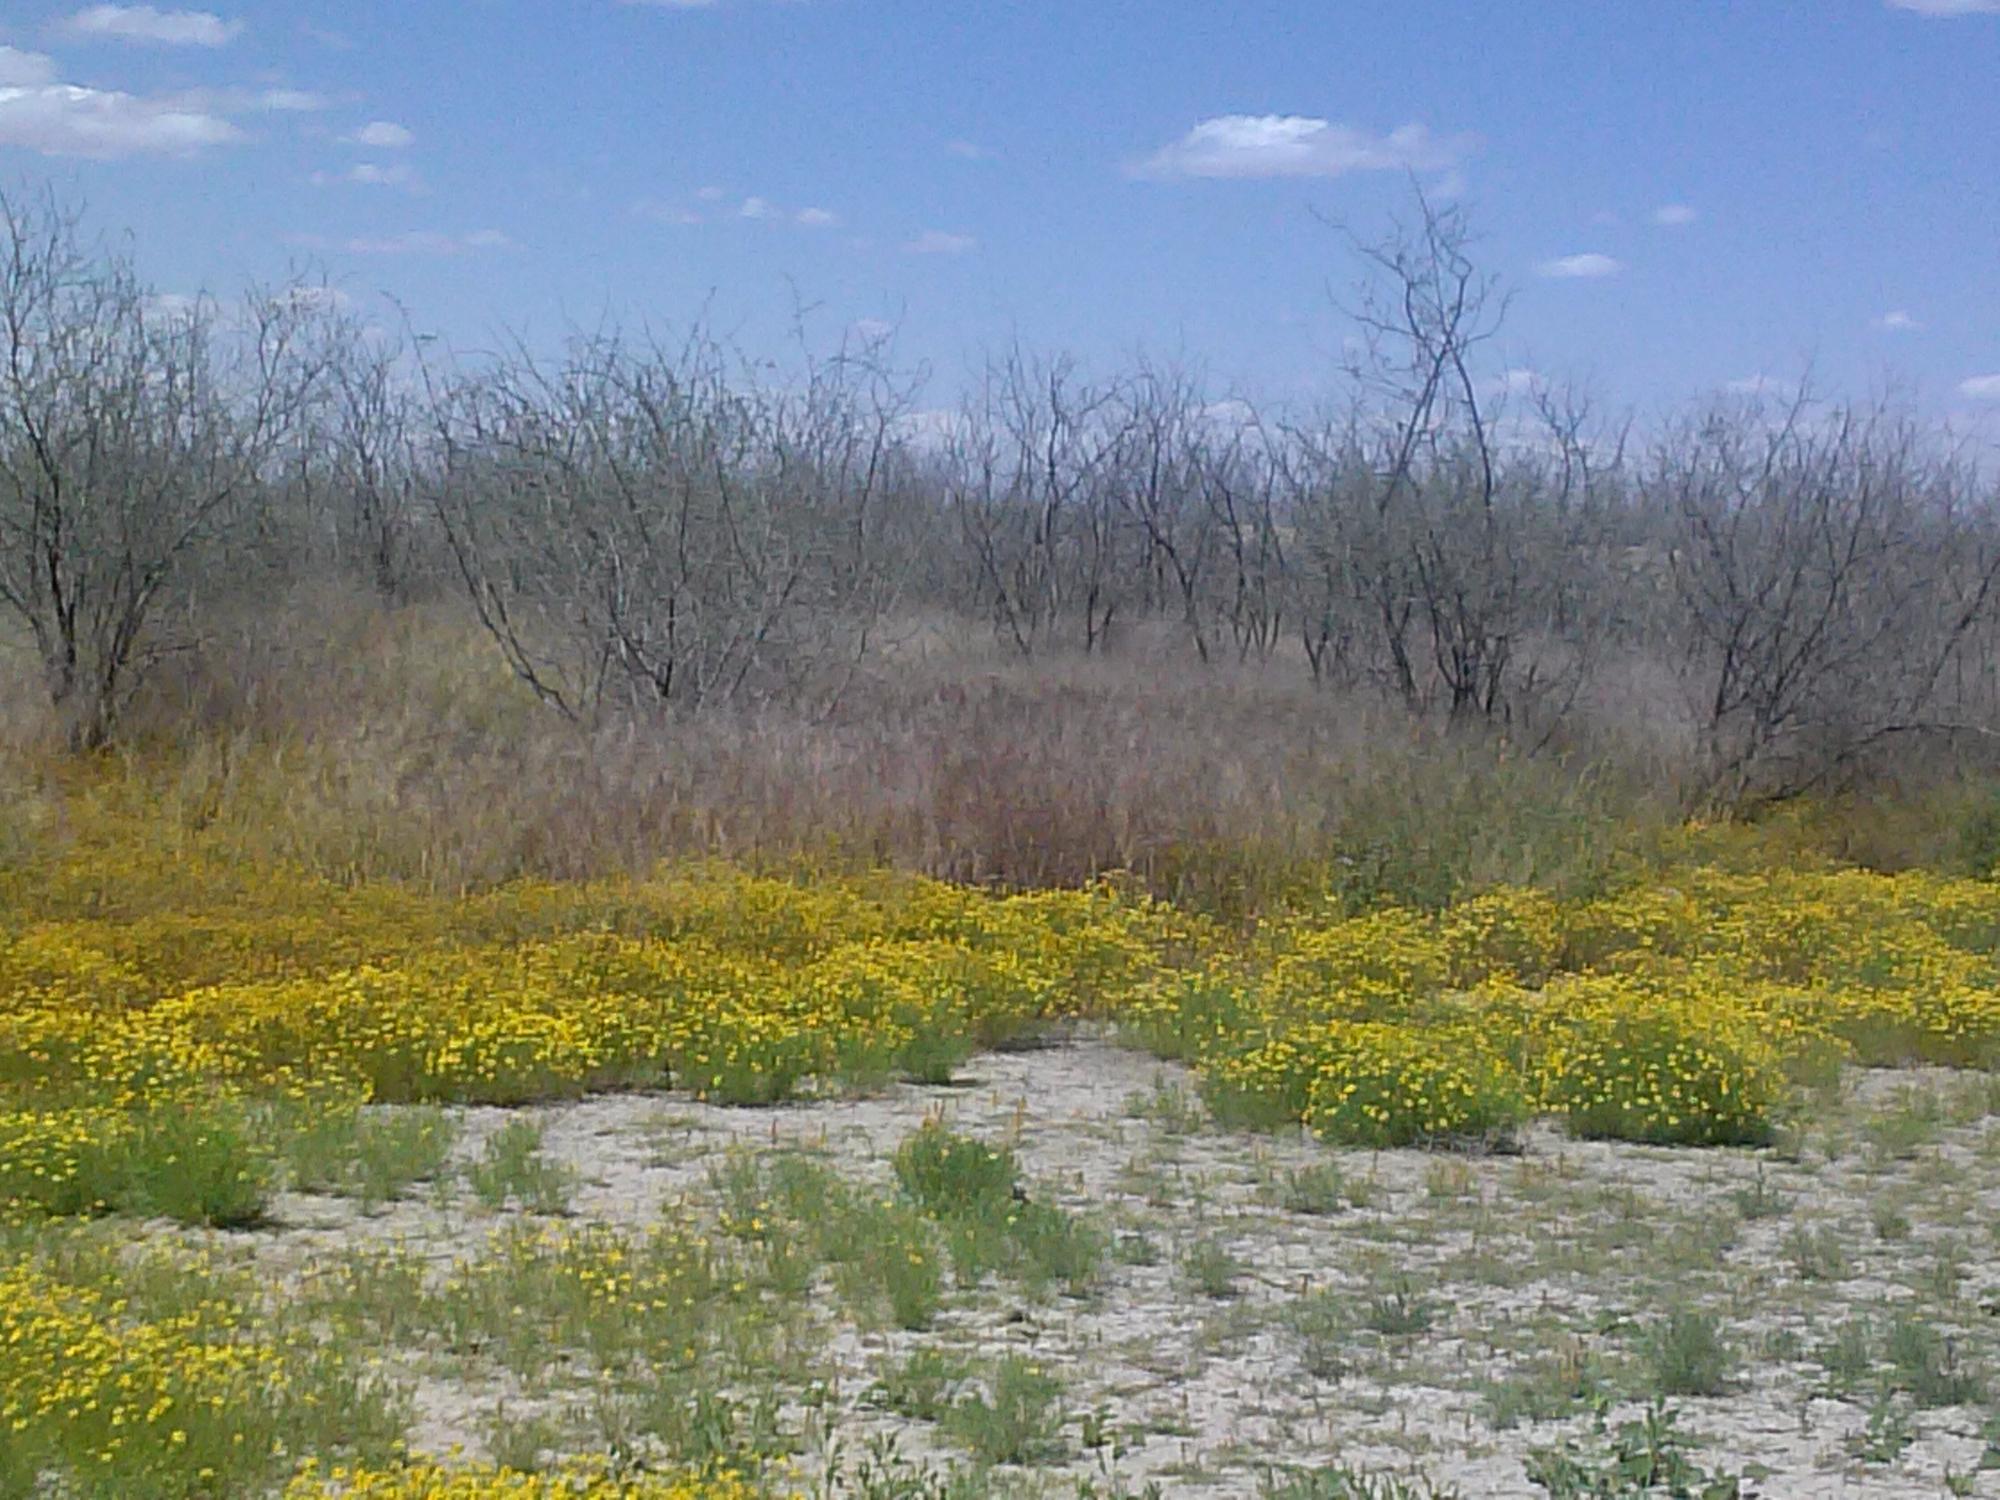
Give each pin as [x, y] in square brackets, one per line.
[1079, 621]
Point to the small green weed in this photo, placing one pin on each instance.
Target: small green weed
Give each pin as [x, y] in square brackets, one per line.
[1318, 1324]
[1319, 1190]
[1211, 1268]
[1643, 1457]
[1760, 1200]
[512, 1169]
[1400, 1310]
[921, 1387]
[1686, 1354]
[1018, 1417]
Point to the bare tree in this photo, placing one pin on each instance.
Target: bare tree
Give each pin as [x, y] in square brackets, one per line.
[1158, 477]
[1830, 568]
[633, 527]
[1031, 486]
[1434, 551]
[133, 434]
[362, 455]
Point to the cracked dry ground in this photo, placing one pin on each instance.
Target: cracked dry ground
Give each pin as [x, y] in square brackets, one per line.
[1265, 1304]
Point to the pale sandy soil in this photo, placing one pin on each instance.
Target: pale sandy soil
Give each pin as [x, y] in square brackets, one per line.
[1566, 1246]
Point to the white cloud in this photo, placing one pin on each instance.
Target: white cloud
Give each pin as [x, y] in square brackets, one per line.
[1231, 413]
[1762, 385]
[142, 23]
[319, 298]
[931, 427]
[383, 135]
[1518, 382]
[938, 242]
[429, 242]
[170, 306]
[1674, 215]
[241, 101]
[1298, 146]
[757, 208]
[1980, 388]
[664, 213]
[395, 175]
[65, 120]
[1935, 8]
[1588, 266]
[20, 69]
[817, 218]
[288, 101]
[1897, 322]
[1451, 185]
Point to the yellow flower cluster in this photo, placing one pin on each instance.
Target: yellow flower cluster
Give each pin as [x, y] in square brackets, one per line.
[190, 1396]
[1667, 1013]
[1671, 1011]
[579, 1481]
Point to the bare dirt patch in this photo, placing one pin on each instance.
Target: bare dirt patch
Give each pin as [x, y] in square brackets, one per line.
[1823, 1317]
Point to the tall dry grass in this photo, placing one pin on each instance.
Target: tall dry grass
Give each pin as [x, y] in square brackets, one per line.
[365, 742]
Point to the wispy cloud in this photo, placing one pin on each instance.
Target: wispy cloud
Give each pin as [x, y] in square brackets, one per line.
[1588, 266]
[20, 69]
[1980, 388]
[1517, 382]
[428, 242]
[665, 213]
[755, 208]
[1897, 322]
[242, 101]
[382, 135]
[1300, 146]
[1942, 8]
[316, 297]
[398, 175]
[967, 151]
[170, 306]
[939, 242]
[288, 101]
[1674, 215]
[143, 23]
[1762, 386]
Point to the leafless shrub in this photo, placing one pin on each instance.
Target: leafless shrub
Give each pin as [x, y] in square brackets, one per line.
[932, 637]
[635, 530]
[132, 436]
[1831, 568]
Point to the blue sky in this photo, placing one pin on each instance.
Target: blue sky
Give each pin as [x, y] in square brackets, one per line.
[1737, 191]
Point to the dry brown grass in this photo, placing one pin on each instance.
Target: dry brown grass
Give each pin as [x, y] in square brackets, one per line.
[365, 742]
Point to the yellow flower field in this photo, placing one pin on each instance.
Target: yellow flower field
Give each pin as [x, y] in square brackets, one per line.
[166, 1021]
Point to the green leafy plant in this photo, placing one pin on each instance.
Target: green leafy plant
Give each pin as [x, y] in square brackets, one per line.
[512, 1169]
